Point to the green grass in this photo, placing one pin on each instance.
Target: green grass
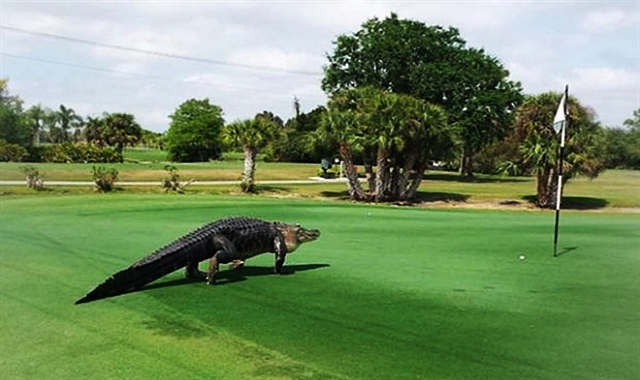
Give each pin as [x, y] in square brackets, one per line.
[140, 154]
[228, 170]
[612, 189]
[385, 293]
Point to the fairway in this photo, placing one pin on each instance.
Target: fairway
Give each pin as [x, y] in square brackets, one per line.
[385, 293]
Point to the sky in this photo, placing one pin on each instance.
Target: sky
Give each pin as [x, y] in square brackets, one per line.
[148, 57]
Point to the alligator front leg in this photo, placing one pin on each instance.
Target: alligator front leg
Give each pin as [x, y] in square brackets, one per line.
[281, 253]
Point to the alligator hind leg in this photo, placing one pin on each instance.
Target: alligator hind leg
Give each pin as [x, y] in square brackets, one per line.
[225, 252]
[192, 271]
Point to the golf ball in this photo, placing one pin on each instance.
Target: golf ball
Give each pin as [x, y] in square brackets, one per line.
[521, 257]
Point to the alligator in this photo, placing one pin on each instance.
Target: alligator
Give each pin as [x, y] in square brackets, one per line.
[225, 241]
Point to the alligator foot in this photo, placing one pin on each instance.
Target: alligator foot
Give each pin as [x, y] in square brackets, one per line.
[236, 264]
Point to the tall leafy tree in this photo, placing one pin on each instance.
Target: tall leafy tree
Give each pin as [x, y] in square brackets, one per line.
[538, 144]
[253, 135]
[297, 143]
[194, 133]
[13, 129]
[434, 64]
[623, 144]
[633, 123]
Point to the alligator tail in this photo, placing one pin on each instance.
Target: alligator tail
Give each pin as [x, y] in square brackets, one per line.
[193, 247]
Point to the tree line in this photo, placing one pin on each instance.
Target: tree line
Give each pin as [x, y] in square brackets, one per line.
[402, 95]
[39, 133]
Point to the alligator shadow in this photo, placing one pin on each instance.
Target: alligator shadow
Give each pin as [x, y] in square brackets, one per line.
[224, 277]
[228, 276]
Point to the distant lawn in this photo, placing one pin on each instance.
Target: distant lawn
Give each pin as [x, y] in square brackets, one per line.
[227, 170]
[139, 154]
[385, 293]
[613, 188]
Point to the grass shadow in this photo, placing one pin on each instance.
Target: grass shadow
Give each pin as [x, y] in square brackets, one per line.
[455, 177]
[270, 189]
[342, 195]
[421, 196]
[575, 203]
[433, 196]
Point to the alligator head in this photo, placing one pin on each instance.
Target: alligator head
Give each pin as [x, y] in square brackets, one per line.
[294, 235]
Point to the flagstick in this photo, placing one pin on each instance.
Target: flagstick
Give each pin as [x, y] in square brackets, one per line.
[561, 159]
[559, 194]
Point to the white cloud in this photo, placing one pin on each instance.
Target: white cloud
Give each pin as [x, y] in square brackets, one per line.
[604, 78]
[277, 59]
[609, 20]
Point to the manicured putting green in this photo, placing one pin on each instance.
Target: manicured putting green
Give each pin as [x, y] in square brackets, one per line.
[385, 293]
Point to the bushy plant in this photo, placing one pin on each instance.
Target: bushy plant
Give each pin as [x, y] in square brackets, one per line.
[104, 178]
[35, 180]
[12, 152]
[172, 181]
[81, 152]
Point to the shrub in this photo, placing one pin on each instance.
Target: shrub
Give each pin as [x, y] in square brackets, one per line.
[104, 178]
[12, 152]
[35, 180]
[80, 152]
[172, 181]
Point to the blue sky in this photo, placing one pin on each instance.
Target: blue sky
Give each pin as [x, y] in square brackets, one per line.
[593, 46]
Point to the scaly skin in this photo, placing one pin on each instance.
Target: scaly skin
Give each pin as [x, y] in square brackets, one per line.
[225, 241]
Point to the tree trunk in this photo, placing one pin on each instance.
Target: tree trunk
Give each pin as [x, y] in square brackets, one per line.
[354, 188]
[392, 187]
[466, 162]
[404, 177]
[249, 169]
[370, 175]
[547, 188]
[415, 182]
[381, 174]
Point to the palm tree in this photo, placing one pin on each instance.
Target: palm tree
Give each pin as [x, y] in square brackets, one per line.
[426, 136]
[391, 119]
[120, 130]
[67, 119]
[254, 135]
[539, 144]
[94, 131]
[398, 131]
[36, 119]
[342, 128]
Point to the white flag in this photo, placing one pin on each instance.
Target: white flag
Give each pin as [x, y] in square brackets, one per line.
[559, 119]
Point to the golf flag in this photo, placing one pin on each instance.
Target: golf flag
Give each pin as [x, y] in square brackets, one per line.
[560, 119]
[560, 125]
